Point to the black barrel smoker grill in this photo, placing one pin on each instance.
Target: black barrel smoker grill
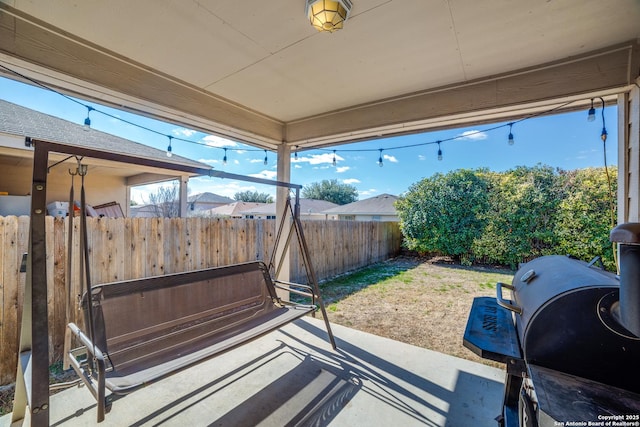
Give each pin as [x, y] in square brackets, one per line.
[570, 339]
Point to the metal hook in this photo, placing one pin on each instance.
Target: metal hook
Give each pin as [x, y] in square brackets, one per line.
[80, 169]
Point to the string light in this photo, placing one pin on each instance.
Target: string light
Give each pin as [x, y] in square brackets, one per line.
[169, 153]
[224, 159]
[87, 124]
[592, 113]
[87, 121]
[592, 116]
[510, 140]
[266, 161]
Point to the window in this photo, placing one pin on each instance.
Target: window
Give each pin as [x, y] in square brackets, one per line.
[348, 217]
[376, 217]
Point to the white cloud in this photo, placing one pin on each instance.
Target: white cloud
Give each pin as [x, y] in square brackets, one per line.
[266, 174]
[422, 157]
[392, 159]
[209, 161]
[368, 193]
[225, 187]
[341, 169]
[218, 141]
[297, 167]
[474, 135]
[183, 132]
[256, 160]
[351, 181]
[318, 159]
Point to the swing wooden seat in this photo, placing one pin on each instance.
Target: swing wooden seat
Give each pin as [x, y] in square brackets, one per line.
[147, 329]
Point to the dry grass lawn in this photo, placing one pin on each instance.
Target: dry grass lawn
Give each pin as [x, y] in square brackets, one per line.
[424, 302]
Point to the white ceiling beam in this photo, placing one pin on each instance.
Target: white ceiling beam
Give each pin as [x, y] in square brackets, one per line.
[505, 97]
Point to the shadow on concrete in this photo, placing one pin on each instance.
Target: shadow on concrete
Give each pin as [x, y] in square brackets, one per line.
[298, 383]
[469, 390]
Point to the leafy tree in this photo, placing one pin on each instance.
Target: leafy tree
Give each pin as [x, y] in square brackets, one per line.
[165, 201]
[445, 213]
[331, 191]
[253, 196]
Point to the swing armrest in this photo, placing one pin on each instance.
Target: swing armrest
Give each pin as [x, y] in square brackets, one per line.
[98, 390]
[291, 287]
[86, 341]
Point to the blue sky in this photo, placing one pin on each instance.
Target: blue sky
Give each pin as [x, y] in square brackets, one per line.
[567, 141]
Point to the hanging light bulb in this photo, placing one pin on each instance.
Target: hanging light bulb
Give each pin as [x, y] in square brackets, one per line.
[169, 153]
[266, 161]
[380, 159]
[592, 113]
[87, 121]
[603, 135]
[295, 154]
[511, 141]
[224, 159]
[334, 158]
[439, 152]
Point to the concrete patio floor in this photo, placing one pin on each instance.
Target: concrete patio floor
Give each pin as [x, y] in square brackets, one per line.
[293, 377]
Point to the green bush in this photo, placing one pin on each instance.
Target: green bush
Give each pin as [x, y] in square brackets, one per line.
[509, 217]
[444, 213]
[585, 217]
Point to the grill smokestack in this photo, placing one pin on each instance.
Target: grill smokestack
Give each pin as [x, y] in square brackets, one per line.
[628, 237]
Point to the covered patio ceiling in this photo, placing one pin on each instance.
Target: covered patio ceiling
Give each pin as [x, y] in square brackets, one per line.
[257, 72]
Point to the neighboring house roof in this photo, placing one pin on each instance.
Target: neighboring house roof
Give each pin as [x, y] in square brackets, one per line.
[382, 204]
[234, 209]
[207, 197]
[307, 206]
[22, 121]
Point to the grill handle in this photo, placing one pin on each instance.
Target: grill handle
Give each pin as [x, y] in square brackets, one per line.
[508, 304]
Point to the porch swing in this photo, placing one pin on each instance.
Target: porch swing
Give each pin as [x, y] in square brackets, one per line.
[140, 331]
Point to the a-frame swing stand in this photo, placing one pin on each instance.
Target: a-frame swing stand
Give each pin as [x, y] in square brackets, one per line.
[126, 347]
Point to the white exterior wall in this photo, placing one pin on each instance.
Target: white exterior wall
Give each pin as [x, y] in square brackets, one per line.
[629, 156]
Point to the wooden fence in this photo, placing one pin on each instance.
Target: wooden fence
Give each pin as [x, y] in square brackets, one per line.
[128, 248]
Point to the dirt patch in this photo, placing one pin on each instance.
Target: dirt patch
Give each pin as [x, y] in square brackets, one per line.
[424, 302]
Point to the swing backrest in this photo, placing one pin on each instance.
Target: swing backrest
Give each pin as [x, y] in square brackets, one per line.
[146, 322]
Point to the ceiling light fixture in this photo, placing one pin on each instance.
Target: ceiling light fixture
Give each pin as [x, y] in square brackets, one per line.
[328, 15]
